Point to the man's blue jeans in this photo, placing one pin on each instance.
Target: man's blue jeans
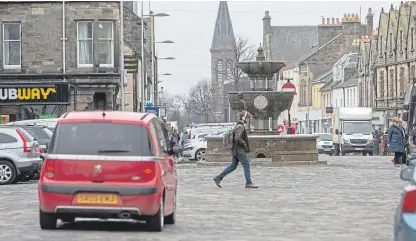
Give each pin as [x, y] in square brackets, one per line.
[234, 163]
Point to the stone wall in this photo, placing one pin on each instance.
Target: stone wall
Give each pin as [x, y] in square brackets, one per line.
[283, 149]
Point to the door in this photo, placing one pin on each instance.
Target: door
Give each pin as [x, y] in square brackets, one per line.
[168, 167]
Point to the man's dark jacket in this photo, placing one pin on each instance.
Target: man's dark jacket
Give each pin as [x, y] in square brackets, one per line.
[240, 145]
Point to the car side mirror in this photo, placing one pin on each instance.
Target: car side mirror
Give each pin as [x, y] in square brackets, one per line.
[406, 174]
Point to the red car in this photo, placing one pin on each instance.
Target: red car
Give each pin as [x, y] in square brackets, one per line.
[108, 165]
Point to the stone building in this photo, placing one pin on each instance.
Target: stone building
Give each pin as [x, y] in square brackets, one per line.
[395, 59]
[335, 39]
[59, 57]
[222, 61]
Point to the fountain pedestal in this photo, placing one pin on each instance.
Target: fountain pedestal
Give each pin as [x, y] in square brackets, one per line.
[265, 105]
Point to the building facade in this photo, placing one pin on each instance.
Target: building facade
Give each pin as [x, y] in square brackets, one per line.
[62, 56]
[394, 64]
[222, 61]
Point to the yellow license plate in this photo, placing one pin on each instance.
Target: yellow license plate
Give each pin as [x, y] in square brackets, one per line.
[105, 199]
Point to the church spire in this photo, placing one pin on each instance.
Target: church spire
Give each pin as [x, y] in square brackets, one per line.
[223, 32]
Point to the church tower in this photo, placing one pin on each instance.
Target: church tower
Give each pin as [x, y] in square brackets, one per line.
[222, 57]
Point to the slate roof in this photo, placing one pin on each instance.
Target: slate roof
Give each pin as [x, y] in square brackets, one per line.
[313, 51]
[353, 81]
[324, 78]
[328, 85]
[289, 43]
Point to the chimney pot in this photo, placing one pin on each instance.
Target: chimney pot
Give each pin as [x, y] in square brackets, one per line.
[328, 21]
[266, 14]
[338, 21]
[357, 17]
[369, 11]
[333, 20]
[323, 21]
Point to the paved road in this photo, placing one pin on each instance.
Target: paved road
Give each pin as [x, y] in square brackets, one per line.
[353, 198]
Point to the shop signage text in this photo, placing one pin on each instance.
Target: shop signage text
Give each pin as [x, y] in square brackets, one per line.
[26, 93]
[34, 94]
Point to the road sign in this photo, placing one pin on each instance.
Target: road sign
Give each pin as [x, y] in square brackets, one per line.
[161, 111]
[289, 87]
[151, 110]
[149, 104]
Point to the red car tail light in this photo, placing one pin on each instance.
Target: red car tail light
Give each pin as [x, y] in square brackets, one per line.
[41, 150]
[48, 169]
[409, 202]
[26, 147]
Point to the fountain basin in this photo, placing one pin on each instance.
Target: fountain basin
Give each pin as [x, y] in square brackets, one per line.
[267, 150]
[271, 103]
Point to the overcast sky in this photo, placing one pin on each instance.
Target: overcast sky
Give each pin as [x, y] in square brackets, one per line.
[191, 25]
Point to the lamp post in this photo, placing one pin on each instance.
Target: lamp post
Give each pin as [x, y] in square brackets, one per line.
[152, 43]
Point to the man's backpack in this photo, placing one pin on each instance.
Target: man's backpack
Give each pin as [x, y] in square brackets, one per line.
[228, 138]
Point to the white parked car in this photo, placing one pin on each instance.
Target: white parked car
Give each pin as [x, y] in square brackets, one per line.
[195, 150]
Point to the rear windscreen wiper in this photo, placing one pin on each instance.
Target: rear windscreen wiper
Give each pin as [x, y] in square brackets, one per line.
[111, 151]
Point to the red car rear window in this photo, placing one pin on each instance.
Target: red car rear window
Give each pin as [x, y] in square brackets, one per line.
[101, 138]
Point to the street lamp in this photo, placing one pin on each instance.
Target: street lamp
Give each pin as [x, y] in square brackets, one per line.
[165, 42]
[151, 16]
[168, 58]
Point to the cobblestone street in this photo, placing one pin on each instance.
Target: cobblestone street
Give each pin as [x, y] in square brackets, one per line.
[353, 198]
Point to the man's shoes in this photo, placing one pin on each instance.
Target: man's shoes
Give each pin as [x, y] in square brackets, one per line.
[217, 182]
[251, 186]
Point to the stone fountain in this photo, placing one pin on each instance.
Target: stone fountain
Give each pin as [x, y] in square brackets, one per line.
[265, 104]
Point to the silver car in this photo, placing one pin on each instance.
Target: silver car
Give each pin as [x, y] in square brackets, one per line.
[19, 155]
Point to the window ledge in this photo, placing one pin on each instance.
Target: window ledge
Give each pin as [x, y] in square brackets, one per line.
[106, 66]
[85, 65]
[12, 66]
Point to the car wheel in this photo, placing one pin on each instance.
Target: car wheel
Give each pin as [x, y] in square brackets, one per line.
[171, 219]
[200, 155]
[47, 220]
[7, 173]
[156, 222]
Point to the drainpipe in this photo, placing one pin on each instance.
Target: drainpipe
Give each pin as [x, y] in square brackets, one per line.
[74, 88]
[64, 50]
[63, 40]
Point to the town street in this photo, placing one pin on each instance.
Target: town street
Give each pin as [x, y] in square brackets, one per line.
[352, 198]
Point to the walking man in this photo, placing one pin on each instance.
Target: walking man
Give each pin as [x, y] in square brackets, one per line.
[240, 148]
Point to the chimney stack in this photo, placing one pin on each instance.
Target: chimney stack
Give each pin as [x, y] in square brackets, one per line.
[267, 14]
[323, 21]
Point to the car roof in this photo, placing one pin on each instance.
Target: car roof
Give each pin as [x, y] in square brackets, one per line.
[108, 115]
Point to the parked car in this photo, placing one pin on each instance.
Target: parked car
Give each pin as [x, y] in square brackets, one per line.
[195, 150]
[20, 155]
[50, 123]
[108, 165]
[405, 217]
[196, 137]
[41, 133]
[324, 143]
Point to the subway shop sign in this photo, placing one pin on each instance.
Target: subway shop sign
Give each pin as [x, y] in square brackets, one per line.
[34, 94]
